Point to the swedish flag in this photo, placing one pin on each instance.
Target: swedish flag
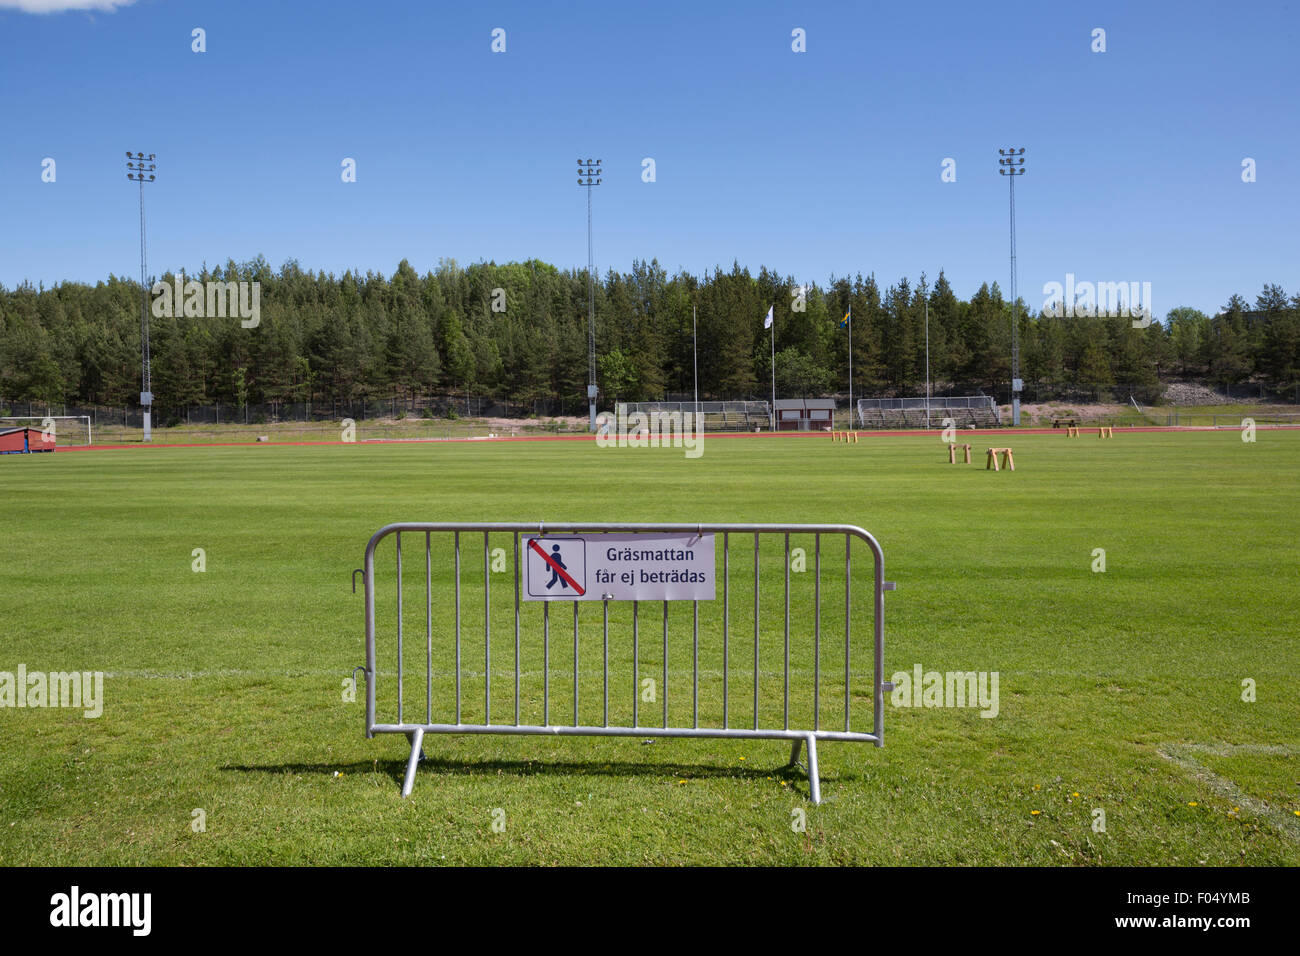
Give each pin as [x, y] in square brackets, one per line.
[848, 317]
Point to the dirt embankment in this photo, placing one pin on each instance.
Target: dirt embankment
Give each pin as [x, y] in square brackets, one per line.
[1044, 413]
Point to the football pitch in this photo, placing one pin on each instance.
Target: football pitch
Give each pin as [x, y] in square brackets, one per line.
[1148, 713]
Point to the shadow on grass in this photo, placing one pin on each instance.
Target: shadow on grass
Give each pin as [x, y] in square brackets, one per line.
[396, 769]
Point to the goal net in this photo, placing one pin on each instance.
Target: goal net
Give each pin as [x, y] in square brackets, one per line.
[68, 431]
[715, 416]
[974, 411]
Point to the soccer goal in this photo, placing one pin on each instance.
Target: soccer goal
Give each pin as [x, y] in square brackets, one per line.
[69, 431]
[974, 411]
[715, 416]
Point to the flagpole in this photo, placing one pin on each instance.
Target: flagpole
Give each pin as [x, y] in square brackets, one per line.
[695, 355]
[927, 363]
[772, 310]
[851, 425]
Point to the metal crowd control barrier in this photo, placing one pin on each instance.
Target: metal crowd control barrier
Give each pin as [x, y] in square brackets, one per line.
[451, 621]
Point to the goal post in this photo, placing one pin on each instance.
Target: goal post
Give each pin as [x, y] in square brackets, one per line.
[68, 430]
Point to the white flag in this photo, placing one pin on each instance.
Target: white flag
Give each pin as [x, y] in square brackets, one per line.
[767, 322]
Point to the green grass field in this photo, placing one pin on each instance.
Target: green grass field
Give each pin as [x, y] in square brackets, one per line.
[408, 428]
[1119, 691]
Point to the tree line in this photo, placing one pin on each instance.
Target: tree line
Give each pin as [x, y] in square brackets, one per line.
[518, 332]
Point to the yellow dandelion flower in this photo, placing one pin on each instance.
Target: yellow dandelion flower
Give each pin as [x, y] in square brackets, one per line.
[1075, 794]
[1192, 803]
[1038, 786]
[1034, 813]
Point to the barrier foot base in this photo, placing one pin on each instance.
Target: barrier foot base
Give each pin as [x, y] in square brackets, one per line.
[417, 754]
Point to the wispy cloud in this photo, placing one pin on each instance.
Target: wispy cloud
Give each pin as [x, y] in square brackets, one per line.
[62, 6]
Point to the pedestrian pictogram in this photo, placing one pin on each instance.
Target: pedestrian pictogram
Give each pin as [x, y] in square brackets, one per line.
[556, 568]
[559, 570]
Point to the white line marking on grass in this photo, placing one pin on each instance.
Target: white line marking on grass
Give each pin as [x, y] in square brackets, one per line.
[1283, 821]
[446, 675]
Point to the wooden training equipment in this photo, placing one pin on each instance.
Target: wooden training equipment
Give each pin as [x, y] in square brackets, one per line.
[952, 454]
[1072, 431]
[1106, 431]
[845, 437]
[1007, 460]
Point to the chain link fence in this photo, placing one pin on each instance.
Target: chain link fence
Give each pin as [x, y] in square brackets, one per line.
[392, 408]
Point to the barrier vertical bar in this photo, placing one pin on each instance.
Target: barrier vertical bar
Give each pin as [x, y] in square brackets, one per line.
[575, 663]
[636, 667]
[605, 662]
[848, 590]
[663, 691]
[726, 623]
[372, 668]
[487, 631]
[785, 713]
[546, 663]
[695, 663]
[817, 629]
[756, 630]
[428, 628]
[399, 627]
[878, 717]
[516, 628]
[457, 549]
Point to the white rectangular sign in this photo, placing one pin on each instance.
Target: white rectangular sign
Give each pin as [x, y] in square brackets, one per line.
[619, 567]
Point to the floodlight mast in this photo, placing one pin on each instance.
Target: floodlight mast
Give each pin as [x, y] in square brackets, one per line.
[589, 175]
[1012, 165]
[140, 168]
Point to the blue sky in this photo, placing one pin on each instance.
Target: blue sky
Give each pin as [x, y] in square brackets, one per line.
[816, 163]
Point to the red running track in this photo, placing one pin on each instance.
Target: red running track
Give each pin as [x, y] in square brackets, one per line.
[891, 433]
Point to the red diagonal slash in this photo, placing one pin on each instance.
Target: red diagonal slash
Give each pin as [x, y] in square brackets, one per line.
[532, 543]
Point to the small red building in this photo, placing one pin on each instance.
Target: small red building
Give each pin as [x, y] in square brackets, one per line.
[17, 441]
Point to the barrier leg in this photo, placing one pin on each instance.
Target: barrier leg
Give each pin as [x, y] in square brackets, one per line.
[794, 755]
[814, 785]
[952, 454]
[967, 447]
[417, 740]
